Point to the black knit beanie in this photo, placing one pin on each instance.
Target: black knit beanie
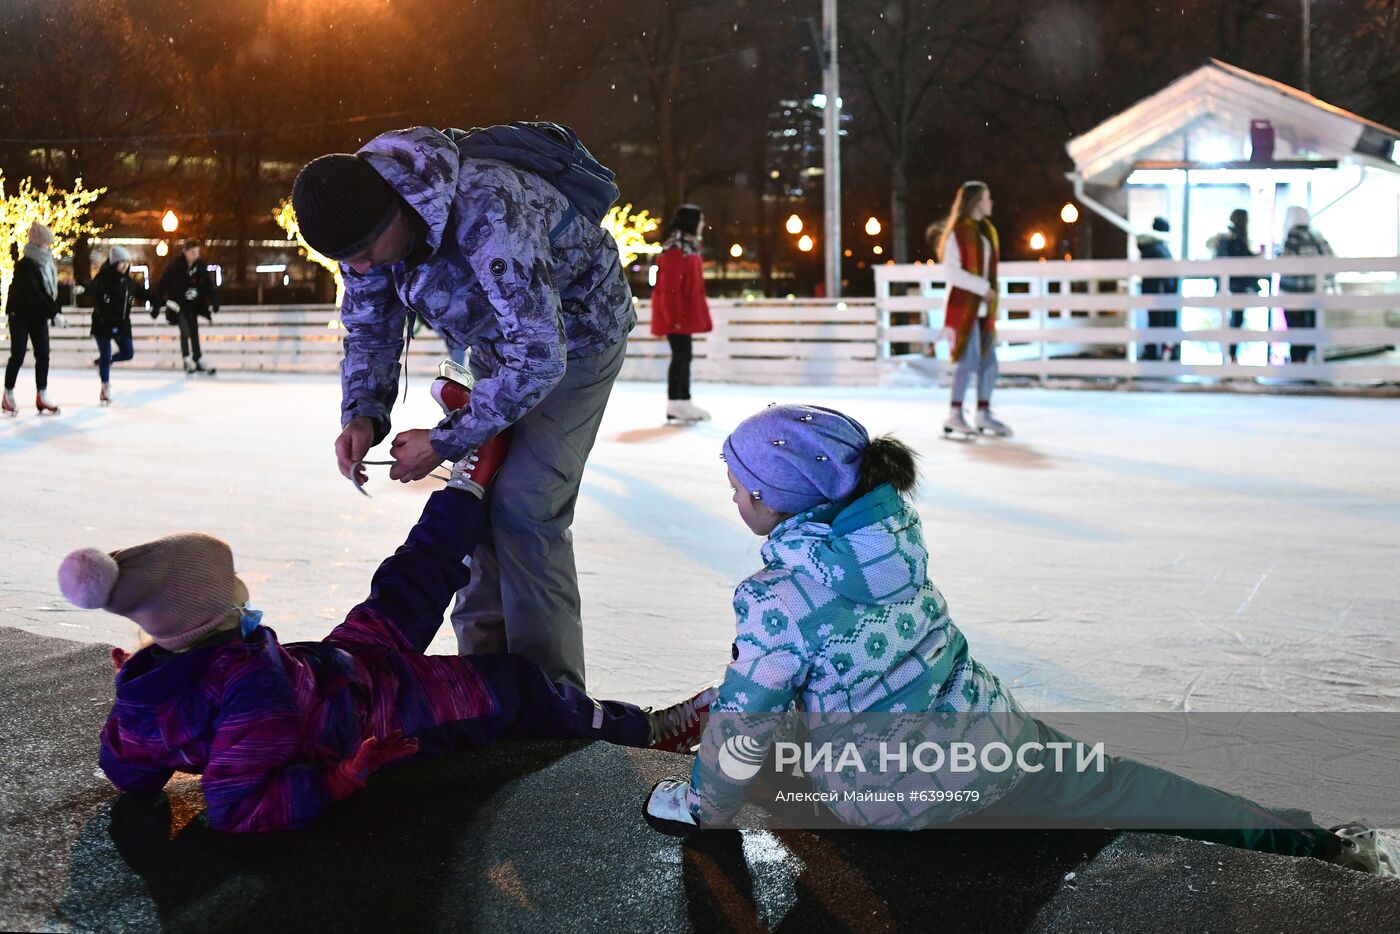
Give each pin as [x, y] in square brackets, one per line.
[686, 219]
[342, 204]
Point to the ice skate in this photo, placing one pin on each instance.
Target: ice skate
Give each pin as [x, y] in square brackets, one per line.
[203, 370]
[473, 473]
[682, 412]
[677, 728]
[8, 404]
[42, 403]
[989, 424]
[956, 428]
[696, 413]
[1364, 850]
[105, 397]
[189, 366]
[453, 387]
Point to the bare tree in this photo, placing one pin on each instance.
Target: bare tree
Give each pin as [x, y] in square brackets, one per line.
[911, 55]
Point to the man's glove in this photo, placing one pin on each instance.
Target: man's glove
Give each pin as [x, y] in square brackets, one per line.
[79, 289]
[668, 807]
[59, 321]
[374, 753]
[172, 306]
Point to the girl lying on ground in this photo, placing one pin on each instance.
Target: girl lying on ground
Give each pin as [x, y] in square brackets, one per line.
[279, 732]
[844, 625]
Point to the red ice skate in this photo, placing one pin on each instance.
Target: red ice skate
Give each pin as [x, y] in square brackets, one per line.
[42, 403]
[678, 728]
[453, 390]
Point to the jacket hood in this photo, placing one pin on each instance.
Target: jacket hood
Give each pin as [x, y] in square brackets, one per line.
[869, 551]
[422, 165]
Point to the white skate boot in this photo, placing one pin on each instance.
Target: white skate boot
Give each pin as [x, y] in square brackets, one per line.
[8, 404]
[956, 428]
[684, 412]
[105, 397]
[42, 403]
[189, 365]
[989, 424]
[678, 728]
[1365, 851]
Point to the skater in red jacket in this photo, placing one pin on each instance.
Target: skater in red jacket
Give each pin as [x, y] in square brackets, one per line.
[679, 309]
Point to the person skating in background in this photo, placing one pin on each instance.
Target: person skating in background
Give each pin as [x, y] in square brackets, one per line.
[843, 620]
[679, 309]
[31, 306]
[113, 292]
[1300, 239]
[187, 293]
[1151, 246]
[969, 249]
[1235, 242]
[499, 259]
[278, 732]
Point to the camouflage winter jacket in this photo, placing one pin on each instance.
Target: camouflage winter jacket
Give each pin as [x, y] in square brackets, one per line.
[488, 277]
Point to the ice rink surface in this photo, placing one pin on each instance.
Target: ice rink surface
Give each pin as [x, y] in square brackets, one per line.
[1125, 551]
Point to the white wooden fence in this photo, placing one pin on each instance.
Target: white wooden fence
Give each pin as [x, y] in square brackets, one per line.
[1071, 319]
[1086, 318]
[774, 341]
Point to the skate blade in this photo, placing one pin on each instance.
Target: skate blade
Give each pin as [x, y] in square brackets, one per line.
[952, 434]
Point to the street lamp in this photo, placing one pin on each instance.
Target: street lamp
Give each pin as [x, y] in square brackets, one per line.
[736, 251]
[872, 227]
[1069, 213]
[794, 224]
[169, 222]
[806, 243]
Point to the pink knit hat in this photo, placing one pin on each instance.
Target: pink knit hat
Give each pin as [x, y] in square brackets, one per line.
[178, 588]
[39, 235]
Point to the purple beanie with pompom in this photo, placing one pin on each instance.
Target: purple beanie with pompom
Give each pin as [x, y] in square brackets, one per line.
[796, 457]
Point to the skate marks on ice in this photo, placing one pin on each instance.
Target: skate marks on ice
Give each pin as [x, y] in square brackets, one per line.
[21, 433]
[1005, 452]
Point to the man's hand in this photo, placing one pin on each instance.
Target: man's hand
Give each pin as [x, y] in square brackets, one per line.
[990, 295]
[414, 456]
[172, 306]
[352, 446]
[120, 657]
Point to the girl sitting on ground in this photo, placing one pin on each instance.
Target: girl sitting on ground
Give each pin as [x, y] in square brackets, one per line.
[844, 625]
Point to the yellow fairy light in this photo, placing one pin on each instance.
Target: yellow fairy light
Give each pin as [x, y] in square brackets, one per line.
[162, 248]
[794, 225]
[630, 230]
[737, 250]
[806, 244]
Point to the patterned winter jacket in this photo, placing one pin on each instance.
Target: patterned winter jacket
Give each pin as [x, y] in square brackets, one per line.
[265, 723]
[843, 620]
[489, 277]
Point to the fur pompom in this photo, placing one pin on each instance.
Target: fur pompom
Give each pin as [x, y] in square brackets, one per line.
[87, 577]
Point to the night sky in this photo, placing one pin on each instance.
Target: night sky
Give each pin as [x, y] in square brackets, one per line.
[122, 90]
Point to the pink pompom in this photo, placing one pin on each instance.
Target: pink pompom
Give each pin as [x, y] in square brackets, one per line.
[87, 577]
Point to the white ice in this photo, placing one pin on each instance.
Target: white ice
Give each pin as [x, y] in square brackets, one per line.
[1125, 551]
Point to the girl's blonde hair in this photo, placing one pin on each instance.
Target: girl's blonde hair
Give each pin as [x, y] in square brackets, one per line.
[967, 198]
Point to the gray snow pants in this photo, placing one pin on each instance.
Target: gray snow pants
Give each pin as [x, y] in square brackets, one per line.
[523, 596]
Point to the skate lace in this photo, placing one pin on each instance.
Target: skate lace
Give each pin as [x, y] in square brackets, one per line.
[676, 718]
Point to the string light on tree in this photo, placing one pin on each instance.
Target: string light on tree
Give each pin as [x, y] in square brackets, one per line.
[169, 223]
[162, 248]
[806, 243]
[1038, 241]
[630, 228]
[736, 251]
[794, 225]
[65, 212]
[1069, 213]
[872, 227]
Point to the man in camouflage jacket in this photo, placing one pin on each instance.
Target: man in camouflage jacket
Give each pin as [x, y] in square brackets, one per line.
[476, 248]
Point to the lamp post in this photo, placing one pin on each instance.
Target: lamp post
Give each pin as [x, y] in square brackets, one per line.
[831, 121]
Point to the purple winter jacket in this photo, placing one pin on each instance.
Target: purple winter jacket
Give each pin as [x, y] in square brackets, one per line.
[265, 723]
